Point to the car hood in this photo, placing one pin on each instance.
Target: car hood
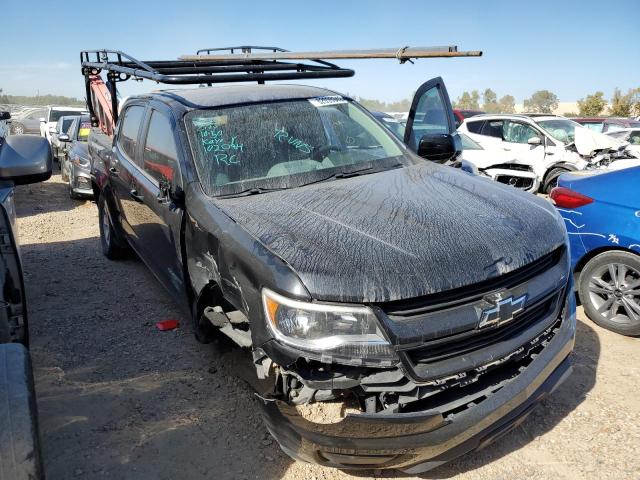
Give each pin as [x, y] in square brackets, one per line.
[588, 141]
[399, 234]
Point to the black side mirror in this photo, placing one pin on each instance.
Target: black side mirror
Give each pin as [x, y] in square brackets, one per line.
[439, 147]
[5, 115]
[63, 137]
[25, 159]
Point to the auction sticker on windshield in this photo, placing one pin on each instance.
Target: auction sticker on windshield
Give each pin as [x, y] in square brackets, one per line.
[326, 101]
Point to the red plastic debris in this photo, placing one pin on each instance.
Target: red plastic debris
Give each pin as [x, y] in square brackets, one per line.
[170, 324]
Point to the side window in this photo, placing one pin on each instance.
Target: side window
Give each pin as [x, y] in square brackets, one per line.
[474, 127]
[430, 117]
[128, 136]
[160, 158]
[516, 132]
[634, 138]
[493, 128]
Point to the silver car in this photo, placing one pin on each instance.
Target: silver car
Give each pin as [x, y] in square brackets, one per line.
[75, 165]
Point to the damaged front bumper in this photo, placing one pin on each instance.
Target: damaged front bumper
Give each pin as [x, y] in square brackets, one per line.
[420, 440]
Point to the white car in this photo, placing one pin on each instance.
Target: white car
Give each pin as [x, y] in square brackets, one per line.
[52, 115]
[498, 164]
[631, 135]
[551, 145]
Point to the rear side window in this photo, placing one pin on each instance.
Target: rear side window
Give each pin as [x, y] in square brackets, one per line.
[160, 155]
[492, 128]
[128, 136]
[474, 127]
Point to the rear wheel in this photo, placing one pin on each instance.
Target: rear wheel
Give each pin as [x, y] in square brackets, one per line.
[551, 180]
[111, 247]
[609, 289]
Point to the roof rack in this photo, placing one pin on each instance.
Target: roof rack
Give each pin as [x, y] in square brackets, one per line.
[240, 64]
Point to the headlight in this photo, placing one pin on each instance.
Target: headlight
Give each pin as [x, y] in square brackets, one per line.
[327, 332]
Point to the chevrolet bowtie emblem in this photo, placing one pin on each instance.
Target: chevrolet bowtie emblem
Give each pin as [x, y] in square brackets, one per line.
[503, 311]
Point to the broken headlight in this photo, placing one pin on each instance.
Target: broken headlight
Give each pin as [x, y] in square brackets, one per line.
[328, 332]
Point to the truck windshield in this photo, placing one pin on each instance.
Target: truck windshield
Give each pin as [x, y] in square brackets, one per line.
[287, 144]
[55, 115]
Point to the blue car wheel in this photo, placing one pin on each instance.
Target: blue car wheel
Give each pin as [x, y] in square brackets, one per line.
[609, 289]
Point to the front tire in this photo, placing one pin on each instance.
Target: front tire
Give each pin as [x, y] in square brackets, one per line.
[609, 289]
[111, 248]
[551, 179]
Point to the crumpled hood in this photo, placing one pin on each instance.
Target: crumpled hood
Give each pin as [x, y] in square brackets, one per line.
[401, 233]
[587, 141]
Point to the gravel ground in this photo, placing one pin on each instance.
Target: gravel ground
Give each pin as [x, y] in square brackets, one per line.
[119, 399]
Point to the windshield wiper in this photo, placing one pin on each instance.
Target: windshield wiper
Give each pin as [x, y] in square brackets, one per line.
[353, 173]
[250, 191]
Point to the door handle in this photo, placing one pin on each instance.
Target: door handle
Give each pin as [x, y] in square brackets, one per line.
[136, 196]
[113, 171]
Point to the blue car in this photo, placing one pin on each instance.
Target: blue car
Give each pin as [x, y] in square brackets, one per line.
[602, 215]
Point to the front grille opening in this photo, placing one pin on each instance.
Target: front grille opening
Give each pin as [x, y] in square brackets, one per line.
[481, 383]
[517, 182]
[444, 348]
[399, 309]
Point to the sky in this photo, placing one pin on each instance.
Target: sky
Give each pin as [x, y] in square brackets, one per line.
[572, 48]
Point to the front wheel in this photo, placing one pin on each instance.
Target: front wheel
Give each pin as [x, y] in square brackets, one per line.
[17, 129]
[551, 180]
[609, 289]
[111, 248]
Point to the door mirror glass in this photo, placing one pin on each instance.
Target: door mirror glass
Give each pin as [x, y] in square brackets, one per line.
[25, 159]
[534, 141]
[63, 137]
[439, 147]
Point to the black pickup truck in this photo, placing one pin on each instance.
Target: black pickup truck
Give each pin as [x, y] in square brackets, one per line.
[434, 308]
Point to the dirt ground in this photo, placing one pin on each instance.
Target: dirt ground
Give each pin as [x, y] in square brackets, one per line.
[118, 398]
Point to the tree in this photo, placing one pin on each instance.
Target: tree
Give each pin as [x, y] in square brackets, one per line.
[507, 104]
[542, 101]
[468, 101]
[625, 105]
[592, 105]
[490, 101]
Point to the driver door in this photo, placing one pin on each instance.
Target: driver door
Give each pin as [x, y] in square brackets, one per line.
[431, 113]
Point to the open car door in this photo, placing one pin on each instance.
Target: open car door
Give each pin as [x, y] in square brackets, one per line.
[431, 127]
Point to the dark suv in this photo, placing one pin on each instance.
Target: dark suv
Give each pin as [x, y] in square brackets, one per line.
[433, 309]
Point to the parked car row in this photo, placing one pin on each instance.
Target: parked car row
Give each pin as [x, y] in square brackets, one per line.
[308, 230]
